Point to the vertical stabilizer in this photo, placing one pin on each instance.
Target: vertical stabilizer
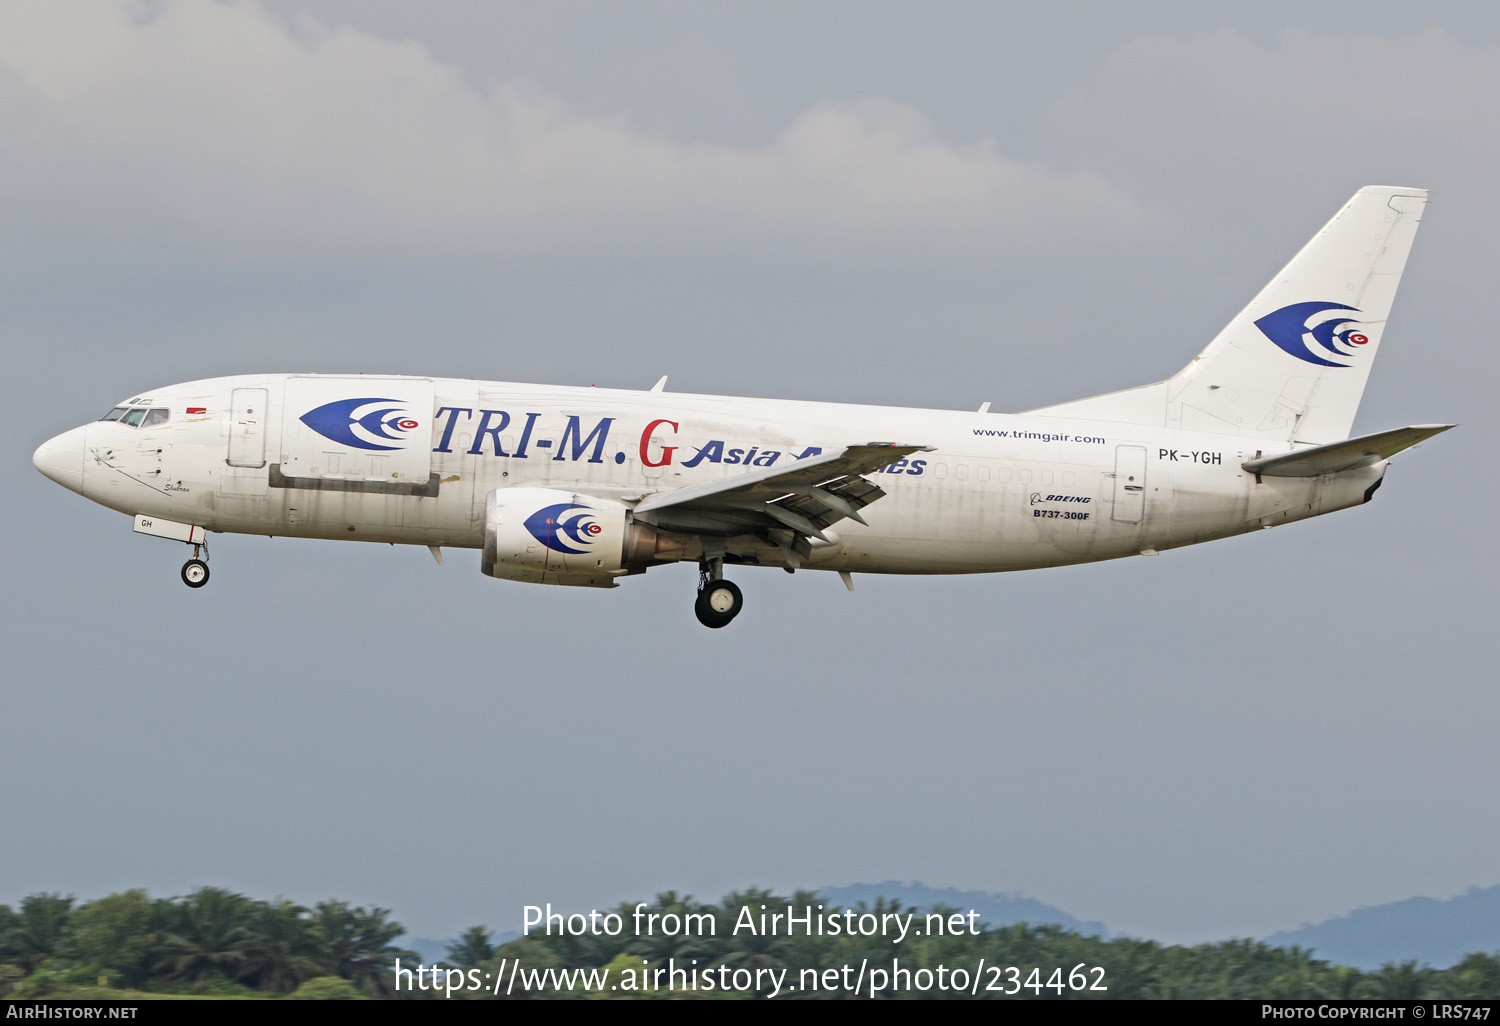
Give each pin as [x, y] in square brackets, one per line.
[1292, 366]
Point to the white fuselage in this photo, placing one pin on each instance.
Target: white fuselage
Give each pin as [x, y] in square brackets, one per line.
[997, 492]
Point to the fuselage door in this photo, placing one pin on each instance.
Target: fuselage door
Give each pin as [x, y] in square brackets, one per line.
[1130, 484]
[247, 427]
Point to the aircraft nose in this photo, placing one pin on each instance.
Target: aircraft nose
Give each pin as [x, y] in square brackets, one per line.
[61, 459]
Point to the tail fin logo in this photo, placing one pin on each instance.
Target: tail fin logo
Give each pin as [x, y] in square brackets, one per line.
[555, 526]
[1329, 335]
[361, 423]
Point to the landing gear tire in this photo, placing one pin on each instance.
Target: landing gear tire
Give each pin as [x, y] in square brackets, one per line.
[718, 602]
[195, 573]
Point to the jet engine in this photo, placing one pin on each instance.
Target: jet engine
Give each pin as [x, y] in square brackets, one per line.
[549, 536]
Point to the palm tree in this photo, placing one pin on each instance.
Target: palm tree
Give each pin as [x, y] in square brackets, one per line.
[475, 946]
[1405, 982]
[38, 929]
[759, 948]
[207, 934]
[116, 934]
[1477, 976]
[357, 944]
[684, 943]
[280, 952]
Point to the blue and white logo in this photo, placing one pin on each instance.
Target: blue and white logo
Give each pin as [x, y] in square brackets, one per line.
[1325, 337]
[555, 526]
[362, 423]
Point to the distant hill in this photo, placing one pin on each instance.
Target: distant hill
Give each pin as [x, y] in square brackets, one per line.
[1439, 933]
[434, 951]
[997, 909]
[431, 950]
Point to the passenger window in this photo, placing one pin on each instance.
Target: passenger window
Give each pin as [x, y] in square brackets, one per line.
[134, 417]
[154, 417]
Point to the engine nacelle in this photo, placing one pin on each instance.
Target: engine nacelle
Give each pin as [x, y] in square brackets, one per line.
[548, 536]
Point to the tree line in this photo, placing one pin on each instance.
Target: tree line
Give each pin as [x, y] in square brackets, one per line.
[211, 941]
[219, 943]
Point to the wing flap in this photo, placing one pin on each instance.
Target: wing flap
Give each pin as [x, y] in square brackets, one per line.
[1346, 455]
[807, 495]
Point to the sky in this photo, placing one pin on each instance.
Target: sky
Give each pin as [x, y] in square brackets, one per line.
[931, 205]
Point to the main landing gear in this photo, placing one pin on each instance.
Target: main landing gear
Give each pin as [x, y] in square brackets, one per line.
[719, 600]
[195, 570]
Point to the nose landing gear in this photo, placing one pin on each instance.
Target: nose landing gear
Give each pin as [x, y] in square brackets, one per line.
[195, 570]
[719, 600]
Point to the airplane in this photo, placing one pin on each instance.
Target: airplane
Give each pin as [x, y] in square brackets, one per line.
[583, 486]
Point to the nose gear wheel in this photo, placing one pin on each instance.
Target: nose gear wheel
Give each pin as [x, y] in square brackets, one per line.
[195, 570]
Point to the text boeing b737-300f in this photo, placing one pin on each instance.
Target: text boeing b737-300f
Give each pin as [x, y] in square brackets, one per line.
[582, 486]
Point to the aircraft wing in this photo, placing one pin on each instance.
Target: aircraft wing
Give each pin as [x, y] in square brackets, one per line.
[805, 496]
[1345, 455]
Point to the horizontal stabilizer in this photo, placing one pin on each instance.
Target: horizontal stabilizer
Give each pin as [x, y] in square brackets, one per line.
[1345, 455]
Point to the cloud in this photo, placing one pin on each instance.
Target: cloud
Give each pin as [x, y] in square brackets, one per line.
[1218, 112]
[223, 125]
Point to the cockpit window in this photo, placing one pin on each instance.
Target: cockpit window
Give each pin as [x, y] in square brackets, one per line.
[138, 416]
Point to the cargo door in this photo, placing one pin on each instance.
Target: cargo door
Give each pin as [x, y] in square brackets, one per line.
[360, 434]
